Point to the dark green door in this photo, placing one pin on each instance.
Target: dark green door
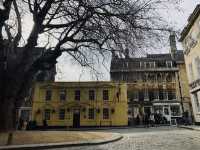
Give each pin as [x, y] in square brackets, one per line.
[76, 120]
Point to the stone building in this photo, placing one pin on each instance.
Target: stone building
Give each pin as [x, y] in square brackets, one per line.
[156, 83]
[190, 38]
[80, 104]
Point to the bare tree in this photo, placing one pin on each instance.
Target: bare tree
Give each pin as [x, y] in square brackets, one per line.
[84, 29]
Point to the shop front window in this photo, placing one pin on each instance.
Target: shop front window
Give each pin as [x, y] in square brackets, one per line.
[158, 109]
[175, 110]
[196, 101]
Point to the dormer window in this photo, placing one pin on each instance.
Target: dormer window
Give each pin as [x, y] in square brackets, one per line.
[169, 64]
[142, 64]
[147, 64]
[152, 64]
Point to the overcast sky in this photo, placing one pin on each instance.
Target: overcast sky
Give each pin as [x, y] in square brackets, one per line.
[67, 70]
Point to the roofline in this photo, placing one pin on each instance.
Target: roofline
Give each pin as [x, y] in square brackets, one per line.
[192, 18]
[76, 82]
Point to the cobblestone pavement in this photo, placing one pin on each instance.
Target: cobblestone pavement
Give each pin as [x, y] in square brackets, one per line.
[162, 138]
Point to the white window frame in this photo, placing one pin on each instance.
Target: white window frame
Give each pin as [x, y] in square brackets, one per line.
[63, 91]
[169, 64]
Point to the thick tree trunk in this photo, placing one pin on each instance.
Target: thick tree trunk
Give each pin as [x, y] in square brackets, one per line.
[7, 115]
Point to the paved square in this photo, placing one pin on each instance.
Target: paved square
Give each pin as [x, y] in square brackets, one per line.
[161, 138]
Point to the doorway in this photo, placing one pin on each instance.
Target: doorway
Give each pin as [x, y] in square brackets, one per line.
[167, 113]
[76, 119]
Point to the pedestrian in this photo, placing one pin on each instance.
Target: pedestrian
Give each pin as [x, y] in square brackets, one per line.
[138, 120]
[45, 125]
[146, 120]
[21, 123]
[152, 120]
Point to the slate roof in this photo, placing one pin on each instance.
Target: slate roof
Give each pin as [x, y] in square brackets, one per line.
[117, 62]
[191, 20]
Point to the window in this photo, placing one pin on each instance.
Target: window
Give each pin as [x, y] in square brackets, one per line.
[161, 94]
[161, 64]
[105, 95]
[105, 113]
[156, 95]
[197, 64]
[141, 95]
[166, 111]
[191, 74]
[134, 64]
[151, 95]
[194, 35]
[77, 95]
[169, 78]
[175, 110]
[47, 113]
[134, 77]
[146, 96]
[62, 114]
[147, 64]
[62, 95]
[152, 64]
[91, 95]
[132, 95]
[135, 95]
[196, 101]
[169, 64]
[165, 94]
[48, 95]
[151, 77]
[144, 77]
[91, 113]
[159, 78]
[142, 64]
[171, 95]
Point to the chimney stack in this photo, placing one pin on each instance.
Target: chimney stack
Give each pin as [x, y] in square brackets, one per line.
[172, 40]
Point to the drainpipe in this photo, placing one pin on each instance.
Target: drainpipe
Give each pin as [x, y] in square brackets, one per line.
[179, 86]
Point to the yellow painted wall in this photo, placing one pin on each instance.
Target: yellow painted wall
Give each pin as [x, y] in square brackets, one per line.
[118, 118]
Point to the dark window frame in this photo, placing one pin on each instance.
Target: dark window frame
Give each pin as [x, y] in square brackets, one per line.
[62, 114]
[63, 94]
[77, 95]
[105, 95]
[171, 95]
[47, 114]
[91, 95]
[91, 113]
[106, 114]
[48, 95]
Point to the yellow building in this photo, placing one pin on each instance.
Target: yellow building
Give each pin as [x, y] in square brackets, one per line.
[80, 104]
[190, 38]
